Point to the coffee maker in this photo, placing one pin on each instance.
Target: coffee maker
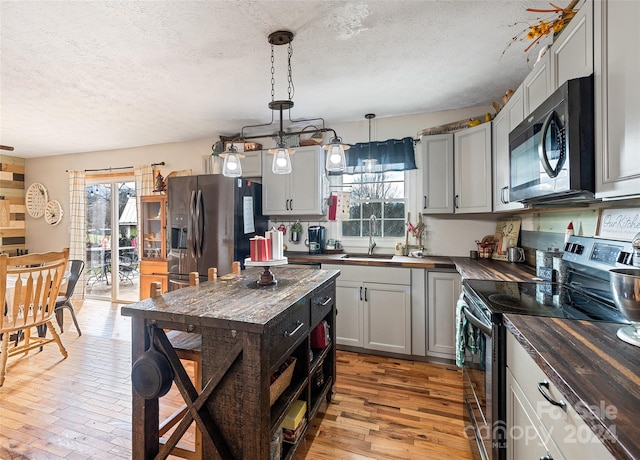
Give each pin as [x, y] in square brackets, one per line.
[316, 239]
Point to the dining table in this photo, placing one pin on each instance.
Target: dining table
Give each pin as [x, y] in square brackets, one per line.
[99, 262]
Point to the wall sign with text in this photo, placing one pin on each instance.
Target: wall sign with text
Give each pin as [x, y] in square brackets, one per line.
[619, 224]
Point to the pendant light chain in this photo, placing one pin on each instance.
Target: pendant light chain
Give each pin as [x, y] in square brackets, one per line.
[291, 88]
[273, 79]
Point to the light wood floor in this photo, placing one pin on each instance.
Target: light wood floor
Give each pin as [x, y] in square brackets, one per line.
[80, 408]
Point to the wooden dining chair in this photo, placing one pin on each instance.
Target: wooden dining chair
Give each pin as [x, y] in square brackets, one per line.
[29, 284]
[188, 347]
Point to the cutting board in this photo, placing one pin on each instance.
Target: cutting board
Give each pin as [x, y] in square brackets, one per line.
[507, 234]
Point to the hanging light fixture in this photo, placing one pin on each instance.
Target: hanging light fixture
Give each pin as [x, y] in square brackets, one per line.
[231, 167]
[336, 161]
[281, 153]
[370, 164]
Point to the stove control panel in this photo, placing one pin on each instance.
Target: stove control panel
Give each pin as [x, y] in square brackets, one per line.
[598, 253]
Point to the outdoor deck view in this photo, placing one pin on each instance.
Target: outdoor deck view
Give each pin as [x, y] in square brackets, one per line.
[107, 276]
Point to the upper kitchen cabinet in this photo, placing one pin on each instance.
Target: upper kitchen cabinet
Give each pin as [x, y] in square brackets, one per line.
[437, 173]
[472, 166]
[507, 119]
[457, 171]
[538, 85]
[572, 52]
[617, 98]
[252, 164]
[297, 193]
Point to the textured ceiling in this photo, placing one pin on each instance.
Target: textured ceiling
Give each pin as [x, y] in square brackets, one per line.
[80, 76]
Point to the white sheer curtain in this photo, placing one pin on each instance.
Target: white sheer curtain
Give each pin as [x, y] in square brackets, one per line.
[77, 219]
[144, 186]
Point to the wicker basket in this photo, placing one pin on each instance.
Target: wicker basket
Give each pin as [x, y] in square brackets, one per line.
[315, 138]
[282, 382]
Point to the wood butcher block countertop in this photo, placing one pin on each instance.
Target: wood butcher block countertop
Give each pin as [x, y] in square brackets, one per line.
[592, 368]
[233, 301]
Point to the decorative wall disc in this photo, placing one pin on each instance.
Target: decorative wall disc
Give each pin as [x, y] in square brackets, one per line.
[53, 212]
[36, 199]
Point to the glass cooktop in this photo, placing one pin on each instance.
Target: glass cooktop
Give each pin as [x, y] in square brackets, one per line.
[539, 299]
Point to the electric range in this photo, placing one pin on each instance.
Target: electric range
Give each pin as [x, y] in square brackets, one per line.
[584, 294]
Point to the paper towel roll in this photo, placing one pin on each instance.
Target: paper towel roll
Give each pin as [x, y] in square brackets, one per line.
[277, 249]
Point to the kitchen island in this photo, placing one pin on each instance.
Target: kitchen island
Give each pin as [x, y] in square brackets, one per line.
[248, 331]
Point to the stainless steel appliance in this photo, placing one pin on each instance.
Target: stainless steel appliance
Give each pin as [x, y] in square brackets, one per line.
[584, 294]
[211, 218]
[551, 153]
[316, 239]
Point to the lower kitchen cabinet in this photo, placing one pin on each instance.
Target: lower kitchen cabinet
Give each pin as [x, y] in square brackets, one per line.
[151, 271]
[374, 308]
[443, 290]
[536, 428]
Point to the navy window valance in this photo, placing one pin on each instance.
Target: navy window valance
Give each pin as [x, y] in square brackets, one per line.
[392, 155]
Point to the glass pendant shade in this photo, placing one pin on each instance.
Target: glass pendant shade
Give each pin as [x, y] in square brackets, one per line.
[370, 165]
[281, 160]
[231, 166]
[336, 161]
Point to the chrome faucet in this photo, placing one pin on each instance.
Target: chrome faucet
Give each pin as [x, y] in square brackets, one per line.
[373, 229]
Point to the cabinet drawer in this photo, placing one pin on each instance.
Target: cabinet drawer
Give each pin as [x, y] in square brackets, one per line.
[287, 329]
[387, 275]
[571, 434]
[321, 303]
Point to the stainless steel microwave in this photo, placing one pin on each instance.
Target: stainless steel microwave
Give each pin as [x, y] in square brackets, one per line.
[551, 153]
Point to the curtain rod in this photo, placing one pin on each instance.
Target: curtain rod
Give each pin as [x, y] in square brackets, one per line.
[121, 167]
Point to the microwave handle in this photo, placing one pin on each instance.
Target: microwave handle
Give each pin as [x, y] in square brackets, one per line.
[542, 148]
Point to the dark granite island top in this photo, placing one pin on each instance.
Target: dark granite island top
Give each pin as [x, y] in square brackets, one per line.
[592, 368]
[247, 331]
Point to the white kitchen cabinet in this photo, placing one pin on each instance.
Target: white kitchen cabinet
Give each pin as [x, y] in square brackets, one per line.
[572, 51]
[456, 175]
[538, 85]
[617, 98]
[508, 118]
[472, 169]
[374, 308]
[299, 193]
[437, 173]
[443, 290]
[252, 164]
[535, 427]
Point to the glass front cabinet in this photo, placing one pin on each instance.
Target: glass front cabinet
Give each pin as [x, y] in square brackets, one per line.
[153, 243]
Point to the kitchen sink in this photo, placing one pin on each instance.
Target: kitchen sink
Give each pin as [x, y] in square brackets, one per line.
[367, 256]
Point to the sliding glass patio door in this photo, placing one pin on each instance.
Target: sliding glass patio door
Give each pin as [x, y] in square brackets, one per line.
[112, 269]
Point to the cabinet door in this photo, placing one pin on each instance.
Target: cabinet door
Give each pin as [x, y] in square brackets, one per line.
[153, 244]
[306, 181]
[252, 164]
[572, 52]
[387, 317]
[349, 321]
[437, 173]
[617, 102]
[537, 86]
[443, 290]
[472, 163]
[275, 189]
[507, 119]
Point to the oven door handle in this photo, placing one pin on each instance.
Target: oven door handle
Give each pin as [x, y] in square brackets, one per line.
[477, 322]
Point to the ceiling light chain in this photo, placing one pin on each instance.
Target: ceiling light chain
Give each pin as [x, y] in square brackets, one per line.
[291, 88]
[273, 78]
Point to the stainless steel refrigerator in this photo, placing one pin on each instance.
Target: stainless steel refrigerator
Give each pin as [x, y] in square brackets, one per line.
[211, 218]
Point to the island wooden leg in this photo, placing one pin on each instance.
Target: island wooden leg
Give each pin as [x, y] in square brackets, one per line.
[145, 413]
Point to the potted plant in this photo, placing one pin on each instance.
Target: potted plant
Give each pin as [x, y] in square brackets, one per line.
[296, 230]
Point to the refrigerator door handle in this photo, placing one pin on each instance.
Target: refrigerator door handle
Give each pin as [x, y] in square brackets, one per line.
[200, 224]
[191, 230]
